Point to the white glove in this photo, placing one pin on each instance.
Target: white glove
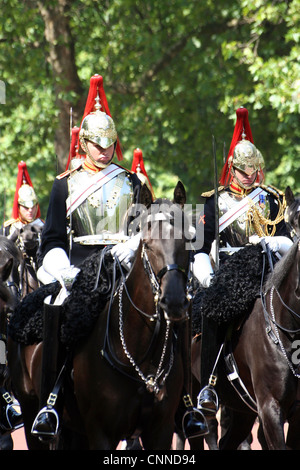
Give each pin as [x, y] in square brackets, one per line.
[125, 251]
[277, 244]
[202, 269]
[57, 265]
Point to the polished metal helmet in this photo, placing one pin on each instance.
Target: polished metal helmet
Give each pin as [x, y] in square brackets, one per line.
[246, 157]
[99, 128]
[27, 196]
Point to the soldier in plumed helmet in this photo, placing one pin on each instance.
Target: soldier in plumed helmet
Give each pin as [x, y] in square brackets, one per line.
[26, 210]
[87, 210]
[248, 211]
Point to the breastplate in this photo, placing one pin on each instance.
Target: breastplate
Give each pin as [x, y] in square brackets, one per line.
[101, 217]
[238, 232]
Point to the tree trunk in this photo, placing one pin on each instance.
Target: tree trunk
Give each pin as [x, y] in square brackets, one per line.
[66, 81]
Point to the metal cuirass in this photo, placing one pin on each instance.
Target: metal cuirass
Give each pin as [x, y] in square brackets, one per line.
[238, 232]
[101, 217]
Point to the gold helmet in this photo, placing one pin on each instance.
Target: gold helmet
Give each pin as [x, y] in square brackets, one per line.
[27, 196]
[98, 127]
[246, 157]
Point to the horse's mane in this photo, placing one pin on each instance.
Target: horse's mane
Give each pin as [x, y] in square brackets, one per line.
[281, 269]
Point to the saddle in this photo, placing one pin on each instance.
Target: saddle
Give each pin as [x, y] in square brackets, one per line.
[230, 363]
[233, 291]
[89, 295]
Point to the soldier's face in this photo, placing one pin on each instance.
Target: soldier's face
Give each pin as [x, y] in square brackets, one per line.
[28, 213]
[99, 154]
[247, 179]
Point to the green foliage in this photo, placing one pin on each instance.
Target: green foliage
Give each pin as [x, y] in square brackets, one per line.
[174, 74]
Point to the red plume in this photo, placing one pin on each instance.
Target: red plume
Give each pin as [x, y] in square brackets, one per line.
[96, 87]
[22, 178]
[138, 166]
[242, 126]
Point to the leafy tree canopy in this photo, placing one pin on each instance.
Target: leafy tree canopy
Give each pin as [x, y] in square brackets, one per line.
[174, 74]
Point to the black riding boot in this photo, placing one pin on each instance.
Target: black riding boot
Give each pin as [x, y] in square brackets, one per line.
[193, 422]
[211, 342]
[47, 421]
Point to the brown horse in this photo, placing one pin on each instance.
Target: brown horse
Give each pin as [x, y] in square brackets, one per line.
[128, 375]
[265, 351]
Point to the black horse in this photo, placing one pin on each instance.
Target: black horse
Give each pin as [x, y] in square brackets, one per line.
[7, 303]
[127, 345]
[261, 354]
[125, 372]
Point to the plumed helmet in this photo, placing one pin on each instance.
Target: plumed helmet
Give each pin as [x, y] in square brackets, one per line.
[246, 157]
[97, 124]
[99, 128]
[242, 154]
[27, 196]
[24, 194]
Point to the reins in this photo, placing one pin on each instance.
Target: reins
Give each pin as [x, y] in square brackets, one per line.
[270, 318]
[153, 382]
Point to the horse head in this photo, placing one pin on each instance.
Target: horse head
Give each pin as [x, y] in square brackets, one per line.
[29, 238]
[164, 252]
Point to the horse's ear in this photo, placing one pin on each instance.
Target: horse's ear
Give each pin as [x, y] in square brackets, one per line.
[145, 196]
[6, 270]
[179, 194]
[289, 196]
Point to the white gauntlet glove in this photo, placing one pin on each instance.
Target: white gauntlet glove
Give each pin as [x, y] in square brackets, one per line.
[56, 266]
[125, 251]
[202, 269]
[278, 244]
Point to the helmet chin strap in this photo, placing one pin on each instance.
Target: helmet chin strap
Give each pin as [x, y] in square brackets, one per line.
[240, 183]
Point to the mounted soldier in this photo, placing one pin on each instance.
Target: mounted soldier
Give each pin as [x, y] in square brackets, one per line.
[26, 209]
[26, 213]
[247, 212]
[88, 210]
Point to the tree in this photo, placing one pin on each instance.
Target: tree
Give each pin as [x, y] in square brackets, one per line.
[174, 74]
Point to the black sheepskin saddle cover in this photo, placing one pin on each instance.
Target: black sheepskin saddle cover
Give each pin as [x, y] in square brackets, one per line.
[80, 310]
[233, 291]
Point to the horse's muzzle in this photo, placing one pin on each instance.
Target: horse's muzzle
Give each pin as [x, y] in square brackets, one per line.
[174, 310]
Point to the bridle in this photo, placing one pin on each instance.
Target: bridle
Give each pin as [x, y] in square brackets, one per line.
[270, 319]
[153, 383]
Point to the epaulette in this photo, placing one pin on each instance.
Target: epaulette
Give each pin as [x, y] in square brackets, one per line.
[10, 222]
[210, 193]
[272, 190]
[67, 172]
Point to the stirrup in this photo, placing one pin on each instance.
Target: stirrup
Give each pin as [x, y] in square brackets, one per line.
[42, 433]
[11, 413]
[202, 402]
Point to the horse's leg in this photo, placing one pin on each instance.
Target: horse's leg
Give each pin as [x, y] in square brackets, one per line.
[293, 435]
[159, 436]
[273, 422]
[238, 430]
